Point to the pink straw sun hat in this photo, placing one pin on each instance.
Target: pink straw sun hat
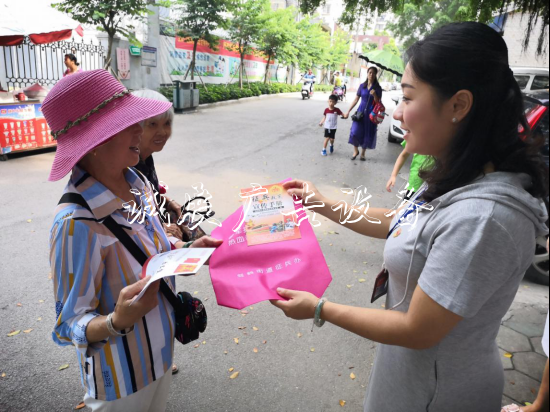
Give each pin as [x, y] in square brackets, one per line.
[85, 110]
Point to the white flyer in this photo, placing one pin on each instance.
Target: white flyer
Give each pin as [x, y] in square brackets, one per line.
[176, 262]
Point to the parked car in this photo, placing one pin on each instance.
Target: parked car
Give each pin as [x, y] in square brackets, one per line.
[536, 111]
[531, 78]
[396, 133]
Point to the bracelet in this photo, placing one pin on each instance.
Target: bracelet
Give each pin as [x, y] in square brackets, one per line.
[317, 321]
[112, 330]
[188, 244]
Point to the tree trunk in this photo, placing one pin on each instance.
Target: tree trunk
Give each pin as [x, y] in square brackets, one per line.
[194, 59]
[267, 69]
[108, 58]
[241, 71]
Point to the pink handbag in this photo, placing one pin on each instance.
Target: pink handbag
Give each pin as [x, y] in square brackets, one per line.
[243, 275]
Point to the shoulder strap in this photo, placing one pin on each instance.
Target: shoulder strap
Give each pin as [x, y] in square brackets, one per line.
[125, 239]
[74, 198]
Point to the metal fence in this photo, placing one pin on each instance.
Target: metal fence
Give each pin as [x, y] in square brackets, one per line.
[27, 64]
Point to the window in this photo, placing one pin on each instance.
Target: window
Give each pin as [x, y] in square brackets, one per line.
[540, 83]
[522, 81]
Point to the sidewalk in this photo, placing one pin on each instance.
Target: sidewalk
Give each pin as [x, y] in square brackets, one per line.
[519, 340]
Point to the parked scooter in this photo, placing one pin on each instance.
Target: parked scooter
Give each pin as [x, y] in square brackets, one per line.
[307, 89]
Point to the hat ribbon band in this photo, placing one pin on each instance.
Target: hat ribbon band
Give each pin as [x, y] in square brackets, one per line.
[100, 106]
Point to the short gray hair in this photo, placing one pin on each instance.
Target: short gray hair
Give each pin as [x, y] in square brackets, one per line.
[153, 95]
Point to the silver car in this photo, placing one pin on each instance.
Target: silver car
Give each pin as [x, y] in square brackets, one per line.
[531, 78]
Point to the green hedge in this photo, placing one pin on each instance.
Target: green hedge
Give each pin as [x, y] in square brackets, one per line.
[221, 92]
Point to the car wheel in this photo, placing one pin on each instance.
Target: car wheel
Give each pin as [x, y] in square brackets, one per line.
[538, 271]
[303, 97]
[391, 139]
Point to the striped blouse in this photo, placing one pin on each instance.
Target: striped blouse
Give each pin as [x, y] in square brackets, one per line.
[89, 268]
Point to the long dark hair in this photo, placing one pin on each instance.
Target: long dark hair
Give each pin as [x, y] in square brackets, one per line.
[72, 58]
[375, 69]
[472, 56]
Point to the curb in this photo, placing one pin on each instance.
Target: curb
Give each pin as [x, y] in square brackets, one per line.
[243, 100]
[233, 101]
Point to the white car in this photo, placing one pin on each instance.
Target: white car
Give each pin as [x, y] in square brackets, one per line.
[396, 132]
[531, 78]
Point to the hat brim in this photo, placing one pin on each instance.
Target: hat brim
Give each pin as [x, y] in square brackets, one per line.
[100, 127]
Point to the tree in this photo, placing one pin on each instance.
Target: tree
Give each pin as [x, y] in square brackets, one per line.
[478, 10]
[313, 44]
[246, 26]
[338, 53]
[107, 15]
[277, 36]
[414, 22]
[197, 20]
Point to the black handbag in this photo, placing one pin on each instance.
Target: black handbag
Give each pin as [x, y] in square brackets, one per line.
[357, 116]
[190, 313]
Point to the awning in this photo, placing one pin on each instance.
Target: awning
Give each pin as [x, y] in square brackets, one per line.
[39, 21]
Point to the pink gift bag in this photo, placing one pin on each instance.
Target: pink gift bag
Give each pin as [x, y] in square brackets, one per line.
[243, 275]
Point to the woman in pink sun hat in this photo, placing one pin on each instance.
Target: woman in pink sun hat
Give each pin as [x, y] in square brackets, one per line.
[125, 354]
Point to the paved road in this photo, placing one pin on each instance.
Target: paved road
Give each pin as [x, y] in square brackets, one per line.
[226, 148]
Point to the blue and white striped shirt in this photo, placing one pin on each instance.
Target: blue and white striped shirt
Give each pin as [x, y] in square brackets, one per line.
[89, 268]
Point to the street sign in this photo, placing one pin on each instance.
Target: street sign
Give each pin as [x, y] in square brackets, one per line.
[135, 50]
[123, 63]
[149, 56]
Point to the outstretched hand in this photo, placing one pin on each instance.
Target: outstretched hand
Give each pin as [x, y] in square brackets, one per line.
[296, 188]
[206, 241]
[299, 306]
[391, 183]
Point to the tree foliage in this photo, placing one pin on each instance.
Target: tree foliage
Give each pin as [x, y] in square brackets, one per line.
[248, 19]
[414, 22]
[197, 20]
[277, 37]
[338, 53]
[107, 15]
[477, 10]
[313, 44]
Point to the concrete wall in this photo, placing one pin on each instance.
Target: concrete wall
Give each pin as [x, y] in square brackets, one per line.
[141, 77]
[514, 32]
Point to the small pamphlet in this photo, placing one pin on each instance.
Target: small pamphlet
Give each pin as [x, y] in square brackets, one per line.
[264, 221]
[176, 262]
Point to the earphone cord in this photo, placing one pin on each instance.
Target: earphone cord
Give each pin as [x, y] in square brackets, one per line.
[412, 258]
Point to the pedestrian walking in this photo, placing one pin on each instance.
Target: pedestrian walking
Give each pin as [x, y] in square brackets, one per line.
[330, 123]
[72, 65]
[454, 257]
[418, 162]
[363, 130]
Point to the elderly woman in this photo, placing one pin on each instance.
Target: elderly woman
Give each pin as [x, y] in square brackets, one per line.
[124, 352]
[156, 132]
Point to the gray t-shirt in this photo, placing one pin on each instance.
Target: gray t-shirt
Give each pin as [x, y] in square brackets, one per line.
[471, 253]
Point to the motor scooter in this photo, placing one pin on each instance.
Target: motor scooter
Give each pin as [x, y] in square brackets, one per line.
[307, 89]
[339, 92]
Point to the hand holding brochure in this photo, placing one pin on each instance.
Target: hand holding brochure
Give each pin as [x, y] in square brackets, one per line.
[176, 262]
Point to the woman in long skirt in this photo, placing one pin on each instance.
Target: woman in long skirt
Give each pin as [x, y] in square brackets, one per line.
[363, 132]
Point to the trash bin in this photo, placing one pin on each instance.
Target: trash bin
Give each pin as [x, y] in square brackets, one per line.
[186, 94]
